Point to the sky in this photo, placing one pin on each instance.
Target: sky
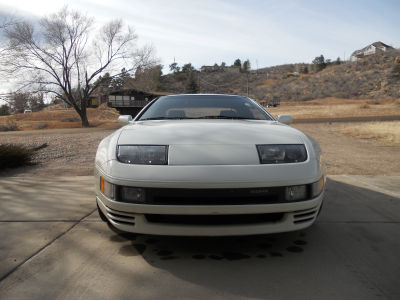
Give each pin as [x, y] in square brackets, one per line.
[268, 33]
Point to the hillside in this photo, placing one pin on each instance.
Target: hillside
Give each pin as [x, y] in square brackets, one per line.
[369, 78]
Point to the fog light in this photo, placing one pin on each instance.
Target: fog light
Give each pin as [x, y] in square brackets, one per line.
[295, 193]
[317, 187]
[132, 194]
[106, 188]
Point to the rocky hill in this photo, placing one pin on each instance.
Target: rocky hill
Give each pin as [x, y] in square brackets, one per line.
[369, 78]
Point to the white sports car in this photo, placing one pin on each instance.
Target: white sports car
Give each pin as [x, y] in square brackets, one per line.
[208, 165]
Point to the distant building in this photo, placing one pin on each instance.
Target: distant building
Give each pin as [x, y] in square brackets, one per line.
[370, 50]
[216, 68]
[131, 101]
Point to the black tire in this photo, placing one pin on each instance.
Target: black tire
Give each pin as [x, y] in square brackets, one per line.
[101, 215]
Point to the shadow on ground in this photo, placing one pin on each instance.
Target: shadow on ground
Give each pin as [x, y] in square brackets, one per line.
[350, 253]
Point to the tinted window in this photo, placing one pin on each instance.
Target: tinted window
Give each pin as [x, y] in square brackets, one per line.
[204, 107]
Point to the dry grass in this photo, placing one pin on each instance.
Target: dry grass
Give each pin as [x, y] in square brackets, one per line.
[384, 132]
[336, 107]
[61, 118]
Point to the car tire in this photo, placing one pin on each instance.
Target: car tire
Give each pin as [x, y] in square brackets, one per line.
[102, 216]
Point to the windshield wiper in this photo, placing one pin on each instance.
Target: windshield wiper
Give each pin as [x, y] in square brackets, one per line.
[164, 118]
[226, 117]
[203, 117]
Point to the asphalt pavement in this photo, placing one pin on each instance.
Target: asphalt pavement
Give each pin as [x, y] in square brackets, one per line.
[54, 246]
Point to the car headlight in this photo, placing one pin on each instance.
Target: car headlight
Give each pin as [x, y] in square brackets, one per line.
[143, 155]
[281, 154]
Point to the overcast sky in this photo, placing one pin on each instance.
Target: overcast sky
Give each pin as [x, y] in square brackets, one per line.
[267, 32]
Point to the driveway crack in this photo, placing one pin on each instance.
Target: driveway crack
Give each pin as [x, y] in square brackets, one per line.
[46, 245]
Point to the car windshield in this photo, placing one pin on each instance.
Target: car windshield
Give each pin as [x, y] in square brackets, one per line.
[204, 107]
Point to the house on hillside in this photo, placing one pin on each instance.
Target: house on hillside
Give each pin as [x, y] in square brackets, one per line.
[370, 50]
[216, 68]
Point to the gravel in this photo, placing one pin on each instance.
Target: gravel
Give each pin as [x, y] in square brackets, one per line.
[63, 152]
[71, 152]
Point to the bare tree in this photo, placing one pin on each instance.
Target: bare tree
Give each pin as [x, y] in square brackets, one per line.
[62, 58]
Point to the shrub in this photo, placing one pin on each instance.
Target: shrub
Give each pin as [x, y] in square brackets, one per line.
[12, 156]
[374, 102]
[70, 120]
[42, 126]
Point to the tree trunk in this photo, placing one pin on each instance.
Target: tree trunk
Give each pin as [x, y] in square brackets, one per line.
[83, 115]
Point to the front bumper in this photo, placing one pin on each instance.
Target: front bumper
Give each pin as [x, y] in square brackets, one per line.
[135, 217]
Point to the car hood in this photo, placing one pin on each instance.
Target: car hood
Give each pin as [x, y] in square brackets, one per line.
[209, 132]
[210, 142]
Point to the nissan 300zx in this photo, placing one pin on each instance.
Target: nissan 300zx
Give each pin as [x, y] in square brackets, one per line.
[208, 165]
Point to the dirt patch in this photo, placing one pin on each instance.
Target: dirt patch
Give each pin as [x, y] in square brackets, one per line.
[383, 132]
[338, 108]
[61, 118]
[71, 152]
[347, 155]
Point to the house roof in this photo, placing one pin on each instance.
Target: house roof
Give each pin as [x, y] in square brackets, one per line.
[135, 91]
[378, 44]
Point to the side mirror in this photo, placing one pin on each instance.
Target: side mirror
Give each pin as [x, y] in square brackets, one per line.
[285, 119]
[124, 119]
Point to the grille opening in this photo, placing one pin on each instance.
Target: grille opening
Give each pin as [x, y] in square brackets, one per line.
[303, 221]
[121, 216]
[214, 219]
[162, 200]
[240, 196]
[124, 223]
[305, 214]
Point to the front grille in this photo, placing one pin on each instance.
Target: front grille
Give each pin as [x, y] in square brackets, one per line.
[160, 196]
[214, 219]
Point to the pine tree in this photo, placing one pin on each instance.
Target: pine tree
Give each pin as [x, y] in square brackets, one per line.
[119, 82]
[246, 66]
[191, 85]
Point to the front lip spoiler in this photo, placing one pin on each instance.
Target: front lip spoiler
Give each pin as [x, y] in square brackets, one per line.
[137, 223]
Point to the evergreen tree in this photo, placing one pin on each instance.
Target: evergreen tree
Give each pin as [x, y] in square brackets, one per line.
[4, 110]
[188, 68]
[319, 63]
[246, 66]
[36, 102]
[174, 67]
[191, 85]
[238, 63]
[119, 82]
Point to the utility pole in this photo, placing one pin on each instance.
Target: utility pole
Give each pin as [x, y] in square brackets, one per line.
[198, 81]
[257, 66]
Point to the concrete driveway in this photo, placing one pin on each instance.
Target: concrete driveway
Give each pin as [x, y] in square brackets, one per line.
[54, 246]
